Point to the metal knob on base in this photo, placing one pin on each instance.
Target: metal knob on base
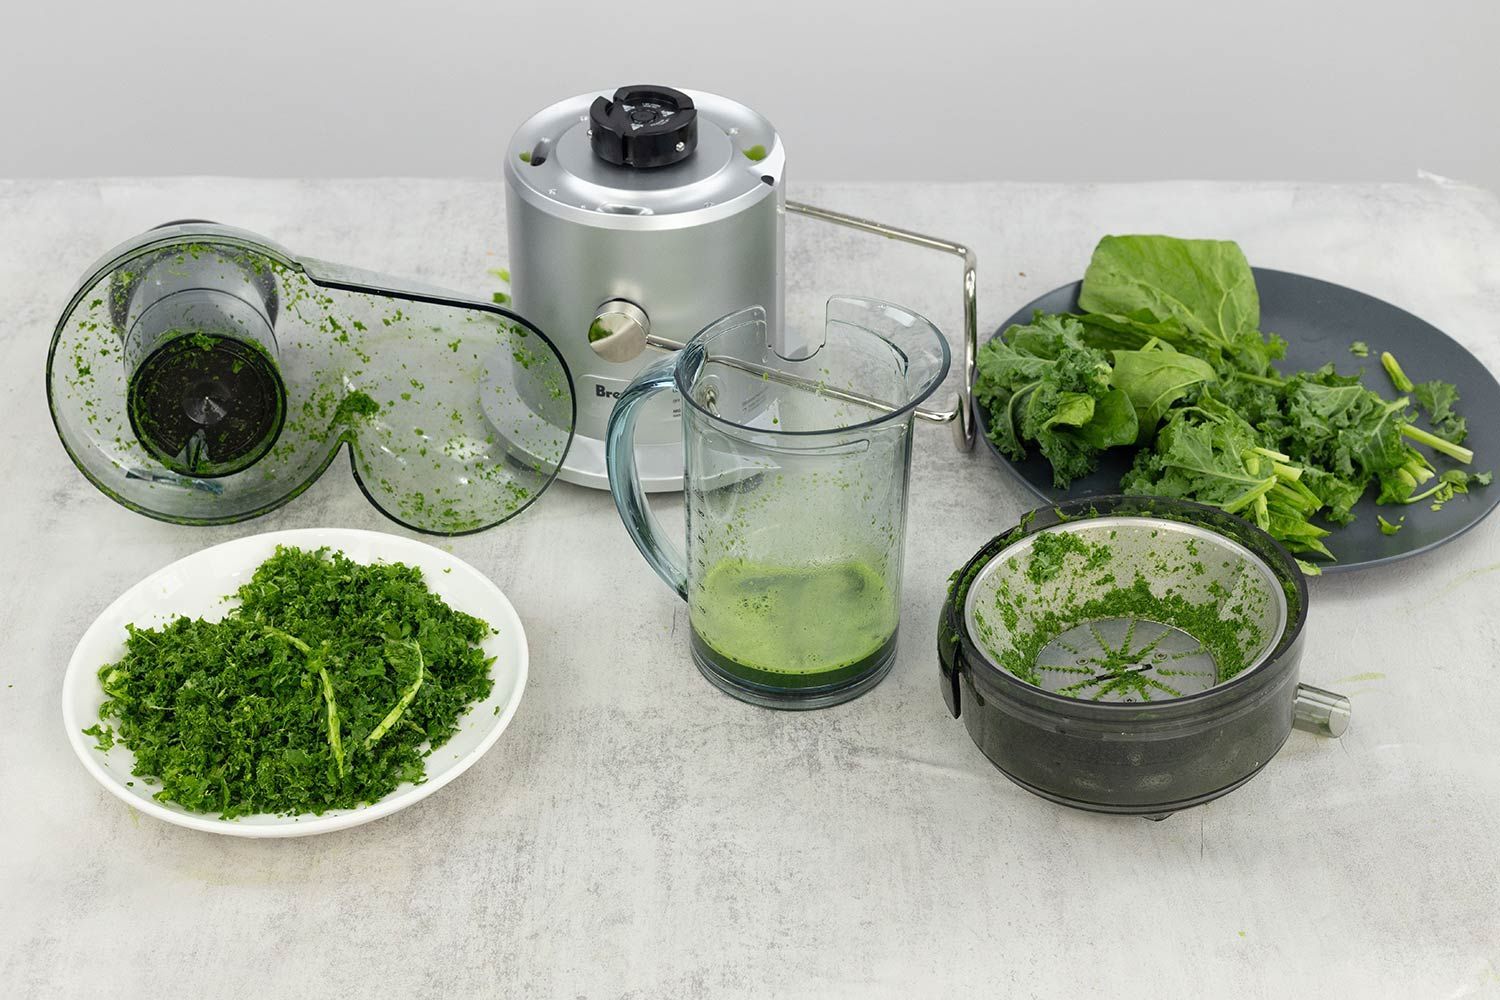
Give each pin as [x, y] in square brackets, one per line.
[621, 330]
[1320, 712]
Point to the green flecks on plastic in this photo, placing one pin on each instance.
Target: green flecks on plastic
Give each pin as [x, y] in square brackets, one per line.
[343, 384]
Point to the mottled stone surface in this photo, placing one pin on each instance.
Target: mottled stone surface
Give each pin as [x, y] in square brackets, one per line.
[637, 834]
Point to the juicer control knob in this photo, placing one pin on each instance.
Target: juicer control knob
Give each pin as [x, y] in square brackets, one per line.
[620, 331]
[643, 127]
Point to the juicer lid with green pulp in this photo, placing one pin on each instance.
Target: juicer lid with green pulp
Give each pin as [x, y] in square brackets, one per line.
[203, 375]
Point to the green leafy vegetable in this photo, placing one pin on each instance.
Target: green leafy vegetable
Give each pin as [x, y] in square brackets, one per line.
[1044, 385]
[1156, 377]
[325, 688]
[1206, 285]
[1439, 399]
[1170, 332]
[1386, 527]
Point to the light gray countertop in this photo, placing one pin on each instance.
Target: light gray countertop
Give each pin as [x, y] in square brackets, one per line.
[635, 832]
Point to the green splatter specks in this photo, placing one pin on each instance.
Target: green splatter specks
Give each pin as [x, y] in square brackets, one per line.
[525, 156]
[500, 298]
[755, 153]
[1224, 638]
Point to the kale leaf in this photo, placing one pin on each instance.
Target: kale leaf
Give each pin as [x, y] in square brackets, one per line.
[1042, 384]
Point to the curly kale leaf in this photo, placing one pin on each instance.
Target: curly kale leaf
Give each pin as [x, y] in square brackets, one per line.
[1041, 384]
[1438, 400]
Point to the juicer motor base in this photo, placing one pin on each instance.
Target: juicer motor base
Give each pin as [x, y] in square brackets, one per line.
[660, 465]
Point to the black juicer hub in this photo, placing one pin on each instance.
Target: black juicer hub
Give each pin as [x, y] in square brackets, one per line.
[643, 127]
[207, 405]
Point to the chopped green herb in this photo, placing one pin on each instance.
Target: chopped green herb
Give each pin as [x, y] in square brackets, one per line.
[1386, 527]
[324, 689]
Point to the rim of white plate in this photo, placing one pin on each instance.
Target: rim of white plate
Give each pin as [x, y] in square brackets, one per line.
[104, 641]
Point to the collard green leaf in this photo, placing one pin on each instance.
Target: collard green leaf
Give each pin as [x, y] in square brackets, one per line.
[1155, 379]
[1114, 422]
[1206, 285]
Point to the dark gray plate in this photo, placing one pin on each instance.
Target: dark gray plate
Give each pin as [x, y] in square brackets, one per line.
[1319, 321]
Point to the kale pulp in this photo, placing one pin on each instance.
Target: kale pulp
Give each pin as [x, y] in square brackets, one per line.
[324, 689]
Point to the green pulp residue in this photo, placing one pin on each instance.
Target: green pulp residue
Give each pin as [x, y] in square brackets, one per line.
[1068, 582]
[786, 620]
[1052, 548]
[344, 367]
[356, 404]
[324, 689]
[755, 153]
[1223, 638]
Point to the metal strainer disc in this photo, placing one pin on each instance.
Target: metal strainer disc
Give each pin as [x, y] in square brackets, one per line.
[1126, 609]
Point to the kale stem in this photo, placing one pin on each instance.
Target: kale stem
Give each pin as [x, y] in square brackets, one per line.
[394, 715]
[1393, 369]
[1275, 383]
[288, 638]
[315, 661]
[1436, 443]
[335, 741]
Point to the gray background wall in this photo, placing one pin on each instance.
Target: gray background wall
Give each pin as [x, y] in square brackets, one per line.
[875, 90]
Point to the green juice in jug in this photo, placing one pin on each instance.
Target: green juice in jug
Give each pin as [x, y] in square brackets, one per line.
[793, 626]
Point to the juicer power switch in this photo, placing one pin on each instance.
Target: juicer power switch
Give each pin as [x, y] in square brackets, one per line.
[620, 331]
[643, 127]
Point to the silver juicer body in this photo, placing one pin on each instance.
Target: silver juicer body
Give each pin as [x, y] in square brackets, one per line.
[670, 247]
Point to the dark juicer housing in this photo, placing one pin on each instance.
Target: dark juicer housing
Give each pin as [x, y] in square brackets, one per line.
[1124, 713]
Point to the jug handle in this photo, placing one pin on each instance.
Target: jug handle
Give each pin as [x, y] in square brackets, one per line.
[625, 482]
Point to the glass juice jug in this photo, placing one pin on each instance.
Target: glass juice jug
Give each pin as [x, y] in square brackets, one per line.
[797, 460]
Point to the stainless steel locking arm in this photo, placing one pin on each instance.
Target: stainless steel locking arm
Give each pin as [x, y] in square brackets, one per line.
[621, 330]
[961, 411]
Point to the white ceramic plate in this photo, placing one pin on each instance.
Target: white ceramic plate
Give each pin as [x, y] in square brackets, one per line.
[195, 587]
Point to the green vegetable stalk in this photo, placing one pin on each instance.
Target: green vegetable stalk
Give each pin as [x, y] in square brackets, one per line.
[1393, 369]
[394, 715]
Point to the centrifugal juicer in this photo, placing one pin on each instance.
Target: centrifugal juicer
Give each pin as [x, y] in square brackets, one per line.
[638, 218]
